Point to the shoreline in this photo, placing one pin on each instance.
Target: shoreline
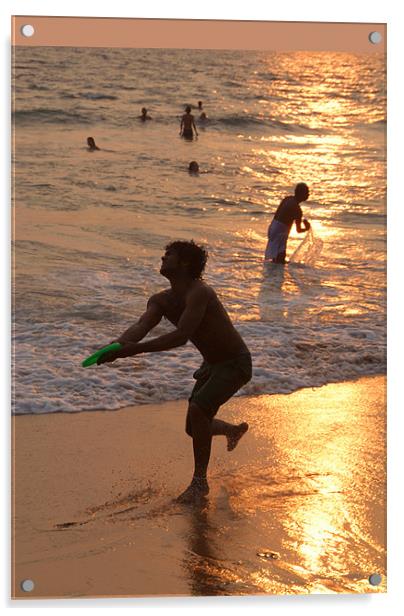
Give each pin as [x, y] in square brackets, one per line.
[185, 401]
[297, 508]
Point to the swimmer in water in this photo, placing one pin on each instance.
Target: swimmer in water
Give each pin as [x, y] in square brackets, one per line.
[188, 125]
[200, 105]
[144, 115]
[193, 167]
[91, 144]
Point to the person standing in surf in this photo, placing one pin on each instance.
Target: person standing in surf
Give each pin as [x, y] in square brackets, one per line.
[288, 212]
[188, 127]
[198, 315]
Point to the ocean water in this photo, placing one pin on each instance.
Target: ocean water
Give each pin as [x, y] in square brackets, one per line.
[90, 227]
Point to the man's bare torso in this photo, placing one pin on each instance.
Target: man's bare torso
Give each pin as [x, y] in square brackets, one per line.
[187, 120]
[216, 338]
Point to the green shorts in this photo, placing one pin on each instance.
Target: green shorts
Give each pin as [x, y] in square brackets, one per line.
[217, 383]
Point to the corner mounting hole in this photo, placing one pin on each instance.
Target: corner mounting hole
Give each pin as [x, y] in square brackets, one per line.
[27, 30]
[27, 585]
[375, 579]
[375, 38]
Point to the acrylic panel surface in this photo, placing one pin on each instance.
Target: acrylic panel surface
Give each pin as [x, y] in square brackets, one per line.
[299, 506]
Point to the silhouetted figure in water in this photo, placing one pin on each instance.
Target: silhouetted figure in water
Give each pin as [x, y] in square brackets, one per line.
[91, 144]
[144, 115]
[203, 117]
[199, 316]
[188, 125]
[288, 212]
[193, 167]
[200, 105]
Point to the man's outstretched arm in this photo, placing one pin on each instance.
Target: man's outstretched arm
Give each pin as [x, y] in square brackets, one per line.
[136, 332]
[190, 320]
[147, 321]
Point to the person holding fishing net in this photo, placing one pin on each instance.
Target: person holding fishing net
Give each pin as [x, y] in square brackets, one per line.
[288, 212]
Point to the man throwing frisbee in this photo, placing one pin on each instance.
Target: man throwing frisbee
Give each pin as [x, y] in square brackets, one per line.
[199, 316]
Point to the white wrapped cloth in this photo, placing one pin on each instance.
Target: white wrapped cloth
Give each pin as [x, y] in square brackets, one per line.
[278, 234]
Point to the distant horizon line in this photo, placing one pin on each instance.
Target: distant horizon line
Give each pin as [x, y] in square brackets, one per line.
[349, 52]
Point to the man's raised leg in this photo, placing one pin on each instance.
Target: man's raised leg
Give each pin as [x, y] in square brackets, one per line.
[232, 432]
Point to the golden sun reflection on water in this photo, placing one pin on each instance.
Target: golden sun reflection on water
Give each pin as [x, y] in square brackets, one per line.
[335, 148]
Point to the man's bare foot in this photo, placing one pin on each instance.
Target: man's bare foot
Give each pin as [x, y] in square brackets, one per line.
[197, 490]
[237, 433]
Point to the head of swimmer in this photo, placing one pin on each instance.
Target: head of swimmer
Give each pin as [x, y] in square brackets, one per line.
[302, 192]
[91, 143]
[193, 167]
[183, 260]
[144, 111]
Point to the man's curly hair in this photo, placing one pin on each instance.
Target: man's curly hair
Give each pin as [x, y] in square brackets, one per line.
[190, 253]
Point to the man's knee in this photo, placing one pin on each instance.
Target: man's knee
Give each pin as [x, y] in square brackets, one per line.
[195, 416]
[188, 427]
[188, 422]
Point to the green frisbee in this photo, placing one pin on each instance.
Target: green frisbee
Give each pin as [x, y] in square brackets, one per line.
[95, 356]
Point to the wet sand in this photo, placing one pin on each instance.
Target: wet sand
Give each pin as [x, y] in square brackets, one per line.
[298, 507]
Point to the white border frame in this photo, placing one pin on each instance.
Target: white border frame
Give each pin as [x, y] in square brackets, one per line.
[292, 10]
